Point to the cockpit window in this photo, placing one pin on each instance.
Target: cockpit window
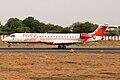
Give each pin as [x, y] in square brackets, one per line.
[12, 35]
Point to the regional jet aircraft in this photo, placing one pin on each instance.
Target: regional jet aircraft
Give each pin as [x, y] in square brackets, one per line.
[57, 39]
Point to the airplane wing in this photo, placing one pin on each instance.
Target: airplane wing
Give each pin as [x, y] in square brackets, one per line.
[62, 42]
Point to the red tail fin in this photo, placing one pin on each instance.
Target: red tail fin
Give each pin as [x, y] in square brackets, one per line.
[100, 30]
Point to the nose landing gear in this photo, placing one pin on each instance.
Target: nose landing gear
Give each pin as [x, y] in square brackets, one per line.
[61, 47]
[9, 45]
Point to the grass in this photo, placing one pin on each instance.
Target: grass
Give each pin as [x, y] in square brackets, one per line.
[56, 78]
[109, 73]
[69, 62]
[109, 77]
[63, 66]
[20, 70]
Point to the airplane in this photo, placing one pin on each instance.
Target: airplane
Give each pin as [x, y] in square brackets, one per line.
[59, 39]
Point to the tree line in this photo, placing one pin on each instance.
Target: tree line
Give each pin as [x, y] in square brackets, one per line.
[32, 25]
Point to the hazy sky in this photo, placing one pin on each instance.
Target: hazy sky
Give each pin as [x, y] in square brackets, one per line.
[62, 12]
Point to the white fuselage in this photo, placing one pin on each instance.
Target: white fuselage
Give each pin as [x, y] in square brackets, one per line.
[49, 38]
[44, 37]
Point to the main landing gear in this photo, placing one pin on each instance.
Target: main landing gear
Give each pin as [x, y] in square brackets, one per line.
[61, 47]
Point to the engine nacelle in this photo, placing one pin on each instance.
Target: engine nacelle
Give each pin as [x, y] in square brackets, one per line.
[85, 36]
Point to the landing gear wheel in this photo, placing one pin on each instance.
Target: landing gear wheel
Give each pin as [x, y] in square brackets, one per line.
[63, 47]
[59, 47]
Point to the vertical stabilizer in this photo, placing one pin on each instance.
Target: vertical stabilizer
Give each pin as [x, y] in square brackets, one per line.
[100, 30]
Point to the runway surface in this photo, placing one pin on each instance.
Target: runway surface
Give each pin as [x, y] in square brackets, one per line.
[101, 50]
